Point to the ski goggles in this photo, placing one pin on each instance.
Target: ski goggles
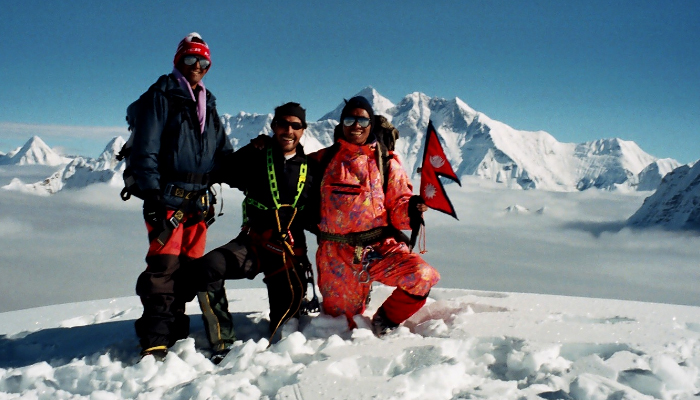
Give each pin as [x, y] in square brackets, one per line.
[284, 124]
[362, 121]
[192, 59]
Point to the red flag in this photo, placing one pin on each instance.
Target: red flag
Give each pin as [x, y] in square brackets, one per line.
[435, 165]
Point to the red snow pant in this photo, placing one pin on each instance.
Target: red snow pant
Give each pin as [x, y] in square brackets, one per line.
[164, 321]
[345, 287]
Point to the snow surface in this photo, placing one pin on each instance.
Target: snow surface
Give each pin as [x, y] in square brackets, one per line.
[463, 344]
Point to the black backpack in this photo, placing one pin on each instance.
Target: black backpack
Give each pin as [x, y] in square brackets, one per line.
[130, 186]
[132, 111]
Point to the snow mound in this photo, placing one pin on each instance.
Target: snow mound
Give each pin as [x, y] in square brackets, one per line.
[462, 344]
[517, 209]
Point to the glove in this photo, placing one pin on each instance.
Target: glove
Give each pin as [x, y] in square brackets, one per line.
[154, 210]
[415, 217]
[260, 142]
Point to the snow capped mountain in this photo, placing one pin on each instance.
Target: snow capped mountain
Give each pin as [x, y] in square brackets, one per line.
[79, 173]
[650, 177]
[34, 152]
[475, 145]
[243, 127]
[676, 203]
[380, 104]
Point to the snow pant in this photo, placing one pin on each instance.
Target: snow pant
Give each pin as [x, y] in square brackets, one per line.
[345, 285]
[245, 257]
[164, 320]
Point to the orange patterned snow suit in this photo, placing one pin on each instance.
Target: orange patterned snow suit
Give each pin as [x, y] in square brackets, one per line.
[352, 201]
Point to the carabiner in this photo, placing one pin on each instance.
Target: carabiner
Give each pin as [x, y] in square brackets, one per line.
[368, 255]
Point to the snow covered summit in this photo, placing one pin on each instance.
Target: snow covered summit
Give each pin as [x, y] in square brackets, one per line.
[80, 172]
[34, 152]
[462, 345]
[380, 104]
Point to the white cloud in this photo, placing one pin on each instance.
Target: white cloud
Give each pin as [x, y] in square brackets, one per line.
[575, 247]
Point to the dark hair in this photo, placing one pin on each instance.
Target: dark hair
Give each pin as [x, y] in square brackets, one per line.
[357, 102]
[290, 109]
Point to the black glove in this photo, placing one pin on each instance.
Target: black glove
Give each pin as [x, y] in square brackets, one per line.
[304, 267]
[260, 142]
[415, 217]
[154, 210]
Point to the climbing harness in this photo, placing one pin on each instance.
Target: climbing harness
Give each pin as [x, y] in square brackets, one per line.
[359, 239]
[286, 240]
[274, 190]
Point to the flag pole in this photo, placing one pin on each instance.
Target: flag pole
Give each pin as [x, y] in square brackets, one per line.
[435, 165]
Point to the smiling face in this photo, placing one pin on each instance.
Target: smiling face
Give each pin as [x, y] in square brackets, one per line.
[193, 73]
[355, 133]
[287, 133]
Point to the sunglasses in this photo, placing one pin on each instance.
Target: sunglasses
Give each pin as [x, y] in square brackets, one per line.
[362, 121]
[191, 60]
[284, 124]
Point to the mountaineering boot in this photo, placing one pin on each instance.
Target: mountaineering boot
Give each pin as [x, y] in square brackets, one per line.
[158, 352]
[218, 356]
[400, 306]
[381, 325]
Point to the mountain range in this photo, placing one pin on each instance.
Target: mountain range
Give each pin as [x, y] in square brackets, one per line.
[480, 146]
[475, 145]
[74, 172]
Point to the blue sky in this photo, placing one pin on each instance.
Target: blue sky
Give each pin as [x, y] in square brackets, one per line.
[580, 70]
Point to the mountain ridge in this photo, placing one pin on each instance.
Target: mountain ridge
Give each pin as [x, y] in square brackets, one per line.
[675, 205]
[474, 143]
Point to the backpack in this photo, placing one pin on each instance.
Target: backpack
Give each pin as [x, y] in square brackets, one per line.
[132, 111]
[130, 186]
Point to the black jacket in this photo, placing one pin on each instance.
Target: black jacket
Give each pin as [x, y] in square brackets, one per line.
[246, 169]
[168, 143]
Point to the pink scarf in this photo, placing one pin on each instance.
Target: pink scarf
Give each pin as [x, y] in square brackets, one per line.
[201, 99]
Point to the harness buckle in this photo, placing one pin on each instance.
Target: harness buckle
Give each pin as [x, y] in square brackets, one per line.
[174, 221]
[358, 255]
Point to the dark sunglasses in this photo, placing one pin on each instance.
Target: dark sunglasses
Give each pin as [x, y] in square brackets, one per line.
[362, 121]
[284, 124]
[191, 60]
